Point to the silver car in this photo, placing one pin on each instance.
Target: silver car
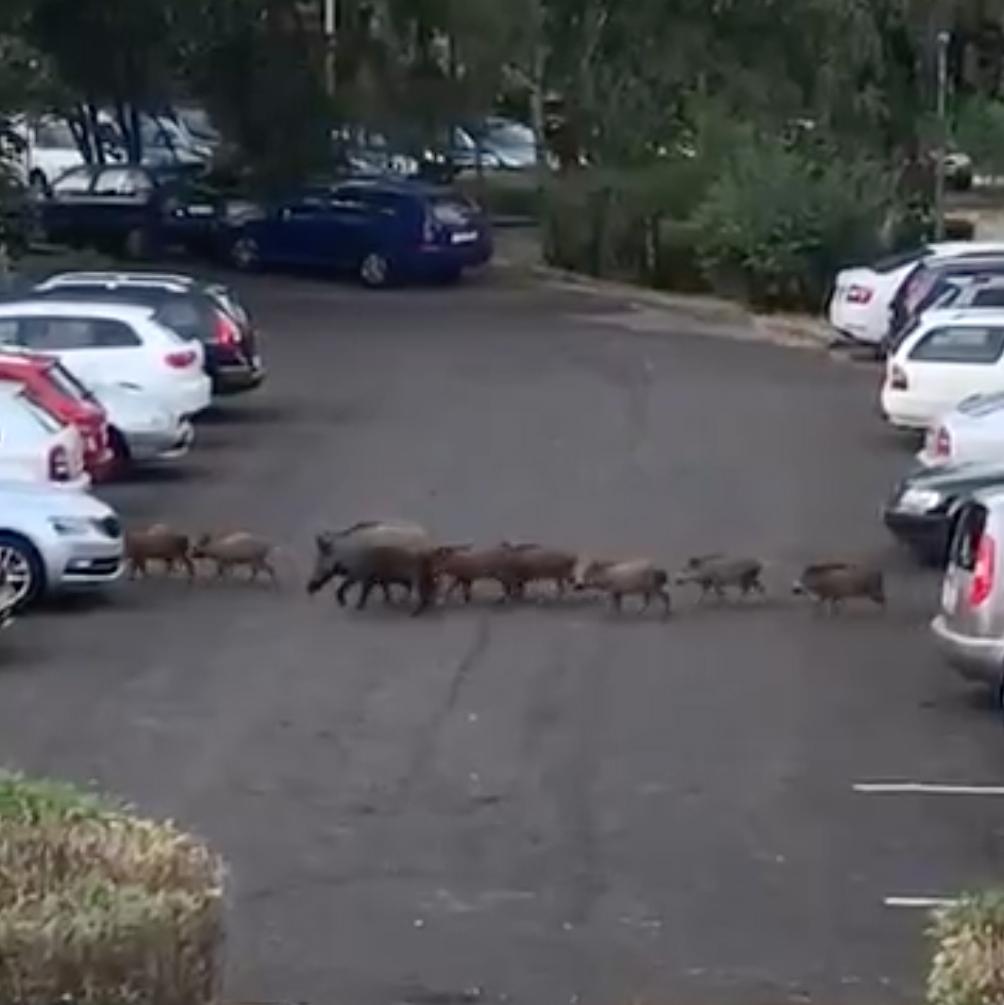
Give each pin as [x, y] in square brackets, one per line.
[970, 628]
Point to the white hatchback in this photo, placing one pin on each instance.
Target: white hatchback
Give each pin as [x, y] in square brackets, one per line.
[862, 296]
[35, 446]
[949, 357]
[112, 343]
[972, 432]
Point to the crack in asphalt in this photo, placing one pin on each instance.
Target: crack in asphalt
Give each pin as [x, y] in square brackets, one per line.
[425, 745]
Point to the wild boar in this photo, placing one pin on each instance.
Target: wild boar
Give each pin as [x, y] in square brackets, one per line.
[465, 566]
[830, 583]
[631, 577]
[157, 543]
[376, 553]
[531, 563]
[231, 551]
[715, 573]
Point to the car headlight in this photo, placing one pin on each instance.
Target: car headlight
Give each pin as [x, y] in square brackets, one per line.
[920, 500]
[71, 526]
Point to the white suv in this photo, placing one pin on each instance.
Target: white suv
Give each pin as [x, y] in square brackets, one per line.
[106, 343]
[52, 540]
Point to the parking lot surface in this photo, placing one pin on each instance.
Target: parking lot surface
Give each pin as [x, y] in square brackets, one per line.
[545, 803]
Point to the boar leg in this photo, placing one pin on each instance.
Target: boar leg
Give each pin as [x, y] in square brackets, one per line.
[364, 593]
[667, 603]
[341, 594]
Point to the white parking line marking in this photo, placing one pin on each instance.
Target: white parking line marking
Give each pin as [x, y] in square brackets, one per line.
[919, 902]
[928, 788]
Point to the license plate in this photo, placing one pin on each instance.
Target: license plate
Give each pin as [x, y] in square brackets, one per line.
[949, 595]
[199, 209]
[464, 237]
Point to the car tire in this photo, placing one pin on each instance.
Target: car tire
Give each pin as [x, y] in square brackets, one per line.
[38, 184]
[121, 458]
[375, 271]
[23, 566]
[136, 245]
[244, 253]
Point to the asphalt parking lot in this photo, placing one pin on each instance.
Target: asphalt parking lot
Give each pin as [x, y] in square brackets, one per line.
[548, 803]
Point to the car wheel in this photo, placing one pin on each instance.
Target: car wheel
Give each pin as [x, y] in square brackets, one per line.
[121, 458]
[375, 271]
[245, 254]
[136, 244]
[22, 566]
[38, 185]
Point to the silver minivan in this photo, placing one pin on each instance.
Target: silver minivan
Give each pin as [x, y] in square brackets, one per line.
[970, 627]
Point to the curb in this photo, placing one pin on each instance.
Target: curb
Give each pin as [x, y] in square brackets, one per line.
[800, 331]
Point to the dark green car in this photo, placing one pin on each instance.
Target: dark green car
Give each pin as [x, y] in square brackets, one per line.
[924, 506]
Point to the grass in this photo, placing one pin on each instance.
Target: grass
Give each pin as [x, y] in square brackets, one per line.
[101, 906]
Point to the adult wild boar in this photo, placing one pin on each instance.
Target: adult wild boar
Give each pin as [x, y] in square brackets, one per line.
[376, 553]
[830, 583]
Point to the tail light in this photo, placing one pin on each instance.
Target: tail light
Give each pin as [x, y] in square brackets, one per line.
[859, 294]
[897, 379]
[225, 331]
[181, 359]
[942, 443]
[59, 464]
[983, 572]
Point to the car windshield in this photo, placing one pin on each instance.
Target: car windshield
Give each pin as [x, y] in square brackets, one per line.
[511, 134]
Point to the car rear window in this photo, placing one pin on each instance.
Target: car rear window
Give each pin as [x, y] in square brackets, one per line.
[187, 316]
[892, 262]
[969, 533]
[989, 298]
[960, 344]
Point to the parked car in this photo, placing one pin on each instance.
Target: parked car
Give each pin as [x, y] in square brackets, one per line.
[862, 296]
[47, 382]
[35, 445]
[969, 291]
[949, 357]
[380, 230]
[142, 429]
[959, 170]
[510, 145]
[132, 210]
[101, 343]
[52, 540]
[210, 313]
[923, 508]
[970, 626]
[972, 432]
[49, 149]
[921, 287]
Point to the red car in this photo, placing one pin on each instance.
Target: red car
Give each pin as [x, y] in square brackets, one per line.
[49, 383]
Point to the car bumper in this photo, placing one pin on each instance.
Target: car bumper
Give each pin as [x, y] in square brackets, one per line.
[976, 659]
[439, 259]
[927, 534]
[86, 563]
[905, 414]
[191, 396]
[161, 445]
[231, 378]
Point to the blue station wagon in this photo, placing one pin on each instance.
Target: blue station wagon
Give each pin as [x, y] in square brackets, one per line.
[382, 231]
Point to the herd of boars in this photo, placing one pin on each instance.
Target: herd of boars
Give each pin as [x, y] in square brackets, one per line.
[389, 554]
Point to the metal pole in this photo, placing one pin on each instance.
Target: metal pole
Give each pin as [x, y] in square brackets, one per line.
[329, 45]
[939, 176]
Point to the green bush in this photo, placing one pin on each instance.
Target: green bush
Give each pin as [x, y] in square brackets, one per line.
[775, 225]
[968, 966]
[101, 907]
[608, 222]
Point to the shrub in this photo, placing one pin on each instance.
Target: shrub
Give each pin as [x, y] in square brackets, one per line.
[776, 225]
[968, 966]
[100, 907]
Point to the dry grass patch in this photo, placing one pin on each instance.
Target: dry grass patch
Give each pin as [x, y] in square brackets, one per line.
[103, 907]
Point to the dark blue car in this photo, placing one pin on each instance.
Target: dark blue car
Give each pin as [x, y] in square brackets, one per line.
[382, 231]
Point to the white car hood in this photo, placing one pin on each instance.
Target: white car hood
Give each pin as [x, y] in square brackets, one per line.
[56, 501]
